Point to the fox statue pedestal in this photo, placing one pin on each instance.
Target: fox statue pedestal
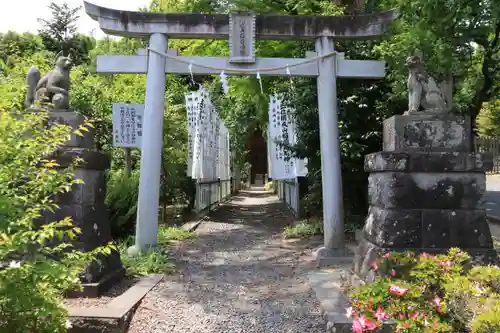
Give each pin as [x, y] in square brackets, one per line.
[425, 190]
[85, 205]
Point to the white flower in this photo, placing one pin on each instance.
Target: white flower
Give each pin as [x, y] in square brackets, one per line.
[15, 264]
[68, 324]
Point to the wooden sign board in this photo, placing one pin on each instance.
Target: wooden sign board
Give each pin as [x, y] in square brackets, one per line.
[127, 122]
[242, 38]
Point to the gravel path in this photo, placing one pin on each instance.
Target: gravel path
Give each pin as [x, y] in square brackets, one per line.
[237, 276]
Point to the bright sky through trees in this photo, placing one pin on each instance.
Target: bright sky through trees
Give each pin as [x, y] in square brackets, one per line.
[22, 15]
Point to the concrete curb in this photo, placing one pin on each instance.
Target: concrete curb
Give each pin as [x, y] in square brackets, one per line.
[115, 316]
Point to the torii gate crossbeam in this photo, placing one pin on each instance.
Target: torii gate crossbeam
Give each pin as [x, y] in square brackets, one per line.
[327, 66]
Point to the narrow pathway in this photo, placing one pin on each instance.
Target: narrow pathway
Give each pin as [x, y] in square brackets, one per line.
[237, 276]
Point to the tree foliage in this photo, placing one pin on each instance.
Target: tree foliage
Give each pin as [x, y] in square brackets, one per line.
[458, 38]
[37, 263]
[59, 33]
[488, 120]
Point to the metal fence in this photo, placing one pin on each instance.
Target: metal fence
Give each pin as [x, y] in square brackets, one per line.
[288, 191]
[490, 145]
[211, 193]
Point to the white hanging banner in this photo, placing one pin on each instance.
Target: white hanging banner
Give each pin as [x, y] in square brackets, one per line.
[127, 122]
[208, 138]
[274, 137]
[192, 119]
[282, 130]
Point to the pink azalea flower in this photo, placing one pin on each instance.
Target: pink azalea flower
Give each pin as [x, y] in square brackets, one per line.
[438, 303]
[393, 273]
[350, 312]
[427, 255]
[357, 326]
[387, 255]
[370, 325]
[380, 315]
[414, 315]
[446, 264]
[374, 266]
[399, 291]
[367, 323]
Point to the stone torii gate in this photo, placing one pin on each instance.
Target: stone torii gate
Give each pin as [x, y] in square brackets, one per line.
[241, 29]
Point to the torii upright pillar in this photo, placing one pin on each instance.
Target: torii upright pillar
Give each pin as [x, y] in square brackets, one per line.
[149, 189]
[241, 29]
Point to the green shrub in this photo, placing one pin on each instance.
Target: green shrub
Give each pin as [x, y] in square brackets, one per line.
[169, 234]
[36, 265]
[429, 293]
[121, 198]
[304, 229]
[269, 186]
[156, 259]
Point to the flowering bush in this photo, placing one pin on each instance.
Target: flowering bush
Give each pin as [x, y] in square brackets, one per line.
[428, 293]
[36, 265]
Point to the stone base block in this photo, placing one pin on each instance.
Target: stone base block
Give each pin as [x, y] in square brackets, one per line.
[99, 271]
[94, 290]
[367, 252]
[428, 162]
[91, 192]
[74, 120]
[93, 221]
[432, 228]
[90, 159]
[427, 132]
[332, 257]
[421, 190]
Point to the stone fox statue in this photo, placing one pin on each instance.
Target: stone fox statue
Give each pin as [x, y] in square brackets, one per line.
[53, 87]
[423, 89]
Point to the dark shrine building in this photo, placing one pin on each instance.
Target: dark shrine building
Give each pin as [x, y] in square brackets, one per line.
[257, 157]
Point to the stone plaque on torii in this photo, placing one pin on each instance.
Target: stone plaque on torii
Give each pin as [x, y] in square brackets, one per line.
[241, 29]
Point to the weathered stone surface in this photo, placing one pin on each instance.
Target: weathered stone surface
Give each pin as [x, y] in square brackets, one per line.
[415, 228]
[427, 132]
[394, 228]
[85, 203]
[74, 120]
[426, 190]
[91, 192]
[365, 255]
[202, 25]
[455, 228]
[96, 325]
[451, 162]
[428, 162]
[91, 159]
[90, 218]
